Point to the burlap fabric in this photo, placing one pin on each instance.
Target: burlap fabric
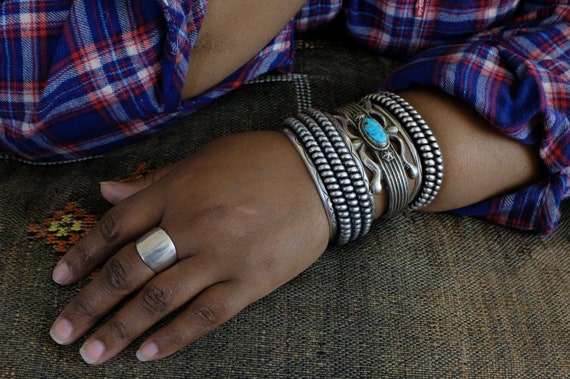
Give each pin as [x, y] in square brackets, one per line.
[422, 296]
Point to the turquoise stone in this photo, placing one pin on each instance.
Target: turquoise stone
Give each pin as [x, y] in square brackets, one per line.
[375, 131]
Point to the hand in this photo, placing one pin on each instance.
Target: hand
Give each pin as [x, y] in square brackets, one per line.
[245, 218]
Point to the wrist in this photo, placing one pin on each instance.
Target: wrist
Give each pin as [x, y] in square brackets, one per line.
[377, 157]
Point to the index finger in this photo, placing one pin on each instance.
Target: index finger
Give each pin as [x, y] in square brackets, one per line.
[120, 225]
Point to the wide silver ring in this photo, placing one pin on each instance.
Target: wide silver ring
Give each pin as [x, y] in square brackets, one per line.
[157, 250]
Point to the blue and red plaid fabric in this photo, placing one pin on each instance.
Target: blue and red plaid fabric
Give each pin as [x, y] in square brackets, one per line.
[81, 77]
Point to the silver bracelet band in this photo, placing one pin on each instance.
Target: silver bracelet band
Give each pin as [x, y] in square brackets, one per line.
[340, 172]
[350, 205]
[382, 133]
[350, 174]
[382, 145]
[396, 184]
[321, 189]
[422, 138]
[324, 169]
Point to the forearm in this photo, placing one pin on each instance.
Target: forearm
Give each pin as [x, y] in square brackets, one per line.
[479, 162]
[232, 33]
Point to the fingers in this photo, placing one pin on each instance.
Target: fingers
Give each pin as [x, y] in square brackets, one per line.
[159, 297]
[215, 306]
[123, 224]
[115, 192]
[124, 273]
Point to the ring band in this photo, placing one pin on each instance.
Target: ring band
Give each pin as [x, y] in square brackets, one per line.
[157, 250]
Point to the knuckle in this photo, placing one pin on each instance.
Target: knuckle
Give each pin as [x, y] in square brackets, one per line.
[85, 257]
[76, 264]
[116, 274]
[82, 306]
[210, 316]
[149, 178]
[155, 300]
[81, 257]
[109, 227]
[120, 329]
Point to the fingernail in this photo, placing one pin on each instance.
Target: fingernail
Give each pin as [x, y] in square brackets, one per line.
[92, 351]
[61, 331]
[147, 352]
[61, 273]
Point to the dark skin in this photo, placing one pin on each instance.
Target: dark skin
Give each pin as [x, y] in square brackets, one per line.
[243, 211]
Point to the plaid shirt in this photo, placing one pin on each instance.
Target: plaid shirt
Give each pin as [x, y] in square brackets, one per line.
[80, 77]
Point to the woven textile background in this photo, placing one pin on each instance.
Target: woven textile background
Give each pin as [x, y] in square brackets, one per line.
[421, 296]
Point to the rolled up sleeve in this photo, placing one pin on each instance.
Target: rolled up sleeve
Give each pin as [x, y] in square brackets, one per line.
[517, 76]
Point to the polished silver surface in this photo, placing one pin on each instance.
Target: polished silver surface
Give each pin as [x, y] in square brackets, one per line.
[420, 134]
[321, 189]
[157, 250]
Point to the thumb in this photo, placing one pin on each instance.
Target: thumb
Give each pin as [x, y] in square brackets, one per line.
[115, 192]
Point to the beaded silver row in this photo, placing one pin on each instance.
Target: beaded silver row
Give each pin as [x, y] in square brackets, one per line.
[425, 142]
[351, 174]
[340, 171]
[327, 175]
[313, 172]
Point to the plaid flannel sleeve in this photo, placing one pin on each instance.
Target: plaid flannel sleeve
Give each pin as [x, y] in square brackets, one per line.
[81, 77]
[516, 76]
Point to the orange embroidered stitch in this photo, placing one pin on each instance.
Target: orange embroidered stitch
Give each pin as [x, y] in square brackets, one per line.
[139, 172]
[65, 228]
